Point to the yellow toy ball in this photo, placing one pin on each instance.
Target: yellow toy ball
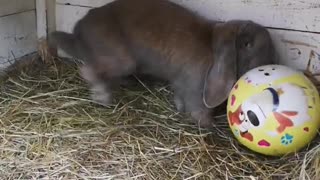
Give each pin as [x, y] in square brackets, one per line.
[274, 110]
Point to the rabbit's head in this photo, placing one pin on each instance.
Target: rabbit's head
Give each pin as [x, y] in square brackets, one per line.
[238, 46]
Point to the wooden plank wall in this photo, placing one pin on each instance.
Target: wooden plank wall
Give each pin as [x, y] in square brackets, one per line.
[17, 30]
[293, 24]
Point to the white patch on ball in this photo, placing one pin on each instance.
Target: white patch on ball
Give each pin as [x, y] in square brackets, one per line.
[268, 73]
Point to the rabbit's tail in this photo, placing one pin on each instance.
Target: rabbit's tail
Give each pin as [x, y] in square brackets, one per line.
[64, 41]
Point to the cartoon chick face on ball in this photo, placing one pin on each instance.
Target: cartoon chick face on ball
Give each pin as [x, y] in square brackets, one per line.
[272, 101]
[274, 110]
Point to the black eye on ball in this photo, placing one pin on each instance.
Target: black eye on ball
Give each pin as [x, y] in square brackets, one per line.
[253, 118]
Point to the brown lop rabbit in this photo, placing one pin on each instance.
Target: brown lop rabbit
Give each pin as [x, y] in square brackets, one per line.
[200, 58]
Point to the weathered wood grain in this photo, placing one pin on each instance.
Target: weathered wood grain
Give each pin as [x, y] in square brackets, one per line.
[293, 47]
[87, 3]
[8, 7]
[18, 36]
[301, 15]
[41, 13]
[299, 50]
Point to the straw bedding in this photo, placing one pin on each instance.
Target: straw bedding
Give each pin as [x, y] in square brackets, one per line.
[50, 129]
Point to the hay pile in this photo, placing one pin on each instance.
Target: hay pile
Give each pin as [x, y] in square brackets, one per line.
[49, 129]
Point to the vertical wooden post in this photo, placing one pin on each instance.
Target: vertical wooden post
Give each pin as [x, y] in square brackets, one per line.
[51, 15]
[45, 13]
[41, 11]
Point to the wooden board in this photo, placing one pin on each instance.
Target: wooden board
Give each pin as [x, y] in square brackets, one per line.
[8, 7]
[51, 15]
[294, 47]
[41, 18]
[73, 13]
[299, 50]
[86, 3]
[301, 15]
[18, 36]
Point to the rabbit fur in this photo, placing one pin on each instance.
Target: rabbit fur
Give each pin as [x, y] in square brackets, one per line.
[200, 58]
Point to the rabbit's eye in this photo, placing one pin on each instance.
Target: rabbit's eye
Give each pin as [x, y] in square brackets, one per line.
[248, 44]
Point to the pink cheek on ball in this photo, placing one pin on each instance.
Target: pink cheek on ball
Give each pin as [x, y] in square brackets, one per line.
[306, 129]
[233, 97]
[264, 143]
[233, 100]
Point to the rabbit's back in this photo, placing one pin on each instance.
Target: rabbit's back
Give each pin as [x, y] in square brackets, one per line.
[160, 36]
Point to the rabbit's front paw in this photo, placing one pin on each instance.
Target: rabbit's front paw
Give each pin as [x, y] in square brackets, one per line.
[202, 118]
[178, 101]
[101, 95]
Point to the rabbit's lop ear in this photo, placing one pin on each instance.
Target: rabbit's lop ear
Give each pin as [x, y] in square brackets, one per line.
[222, 74]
